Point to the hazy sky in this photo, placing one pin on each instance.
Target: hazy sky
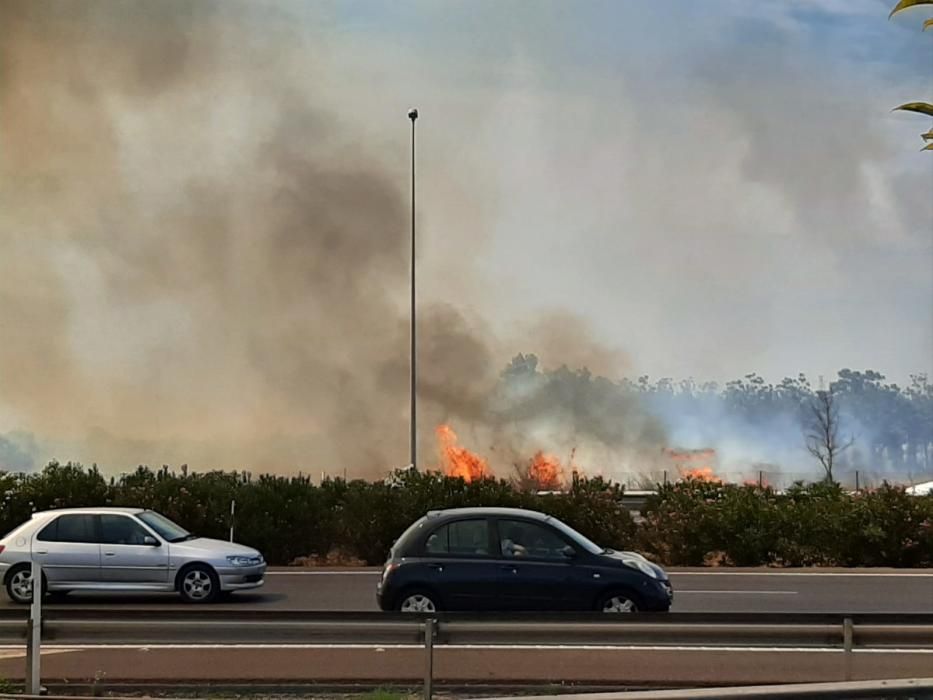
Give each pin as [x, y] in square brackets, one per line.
[718, 187]
[203, 208]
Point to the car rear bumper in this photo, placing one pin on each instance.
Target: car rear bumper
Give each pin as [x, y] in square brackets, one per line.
[381, 598]
[242, 578]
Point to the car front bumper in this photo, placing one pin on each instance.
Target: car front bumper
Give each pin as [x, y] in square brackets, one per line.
[241, 578]
[658, 596]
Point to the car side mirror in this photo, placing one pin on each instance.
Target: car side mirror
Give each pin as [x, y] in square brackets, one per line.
[151, 541]
[569, 552]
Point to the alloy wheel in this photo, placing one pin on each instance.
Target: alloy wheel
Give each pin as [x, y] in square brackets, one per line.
[21, 585]
[197, 584]
[619, 604]
[418, 603]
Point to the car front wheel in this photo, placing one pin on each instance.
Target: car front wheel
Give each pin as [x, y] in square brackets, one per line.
[199, 584]
[617, 602]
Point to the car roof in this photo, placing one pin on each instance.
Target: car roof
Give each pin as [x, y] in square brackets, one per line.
[487, 511]
[100, 510]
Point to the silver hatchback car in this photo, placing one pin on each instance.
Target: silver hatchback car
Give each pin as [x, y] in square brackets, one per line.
[123, 550]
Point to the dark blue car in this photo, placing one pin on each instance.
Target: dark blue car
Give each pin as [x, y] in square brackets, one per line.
[512, 559]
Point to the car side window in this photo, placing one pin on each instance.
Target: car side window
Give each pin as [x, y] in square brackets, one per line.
[460, 538]
[521, 539]
[69, 528]
[120, 529]
[49, 533]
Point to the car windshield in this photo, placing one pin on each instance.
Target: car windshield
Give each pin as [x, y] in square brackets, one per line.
[168, 530]
[584, 542]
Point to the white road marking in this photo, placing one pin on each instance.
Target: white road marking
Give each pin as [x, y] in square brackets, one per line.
[21, 653]
[480, 647]
[728, 592]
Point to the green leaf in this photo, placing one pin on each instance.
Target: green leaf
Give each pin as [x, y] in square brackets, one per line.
[919, 107]
[928, 147]
[928, 136]
[927, 24]
[904, 4]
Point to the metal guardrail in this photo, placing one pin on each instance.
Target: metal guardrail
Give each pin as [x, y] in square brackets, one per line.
[915, 689]
[104, 625]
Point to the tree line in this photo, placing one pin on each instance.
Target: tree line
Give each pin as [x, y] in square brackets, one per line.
[879, 425]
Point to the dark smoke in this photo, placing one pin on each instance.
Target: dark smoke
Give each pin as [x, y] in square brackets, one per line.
[200, 264]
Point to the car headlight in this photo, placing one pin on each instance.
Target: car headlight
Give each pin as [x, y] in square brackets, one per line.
[244, 561]
[642, 565]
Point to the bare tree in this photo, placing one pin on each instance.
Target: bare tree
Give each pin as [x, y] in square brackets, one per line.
[823, 439]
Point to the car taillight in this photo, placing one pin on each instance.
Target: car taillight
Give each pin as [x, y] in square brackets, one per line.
[2, 547]
[389, 568]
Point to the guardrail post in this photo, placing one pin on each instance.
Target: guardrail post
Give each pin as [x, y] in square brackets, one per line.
[429, 626]
[848, 642]
[34, 635]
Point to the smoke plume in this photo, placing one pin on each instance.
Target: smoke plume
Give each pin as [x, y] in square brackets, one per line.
[200, 263]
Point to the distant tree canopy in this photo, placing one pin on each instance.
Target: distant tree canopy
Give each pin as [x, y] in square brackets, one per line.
[891, 425]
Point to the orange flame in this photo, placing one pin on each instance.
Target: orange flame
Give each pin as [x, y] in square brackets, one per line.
[694, 464]
[545, 471]
[700, 474]
[459, 461]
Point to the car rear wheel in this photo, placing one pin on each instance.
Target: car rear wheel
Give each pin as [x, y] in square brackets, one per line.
[417, 602]
[19, 584]
[198, 584]
[617, 602]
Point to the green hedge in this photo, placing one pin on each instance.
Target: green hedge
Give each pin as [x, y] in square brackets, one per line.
[687, 523]
[693, 523]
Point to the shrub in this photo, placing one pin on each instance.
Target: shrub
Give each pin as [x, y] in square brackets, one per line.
[687, 523]
[680, 525]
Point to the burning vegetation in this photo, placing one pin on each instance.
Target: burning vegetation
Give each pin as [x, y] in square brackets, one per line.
[545, 472]
[542, 472]
[694, 464]
[459, 461]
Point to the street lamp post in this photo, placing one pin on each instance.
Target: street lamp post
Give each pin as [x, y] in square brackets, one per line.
[413, 415]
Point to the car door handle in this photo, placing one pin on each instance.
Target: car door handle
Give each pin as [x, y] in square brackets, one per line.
[110, 554]
[436, 567]
[507, 567]
[41, 551]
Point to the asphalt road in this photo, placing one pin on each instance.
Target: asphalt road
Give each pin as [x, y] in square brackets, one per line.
[748, 590]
